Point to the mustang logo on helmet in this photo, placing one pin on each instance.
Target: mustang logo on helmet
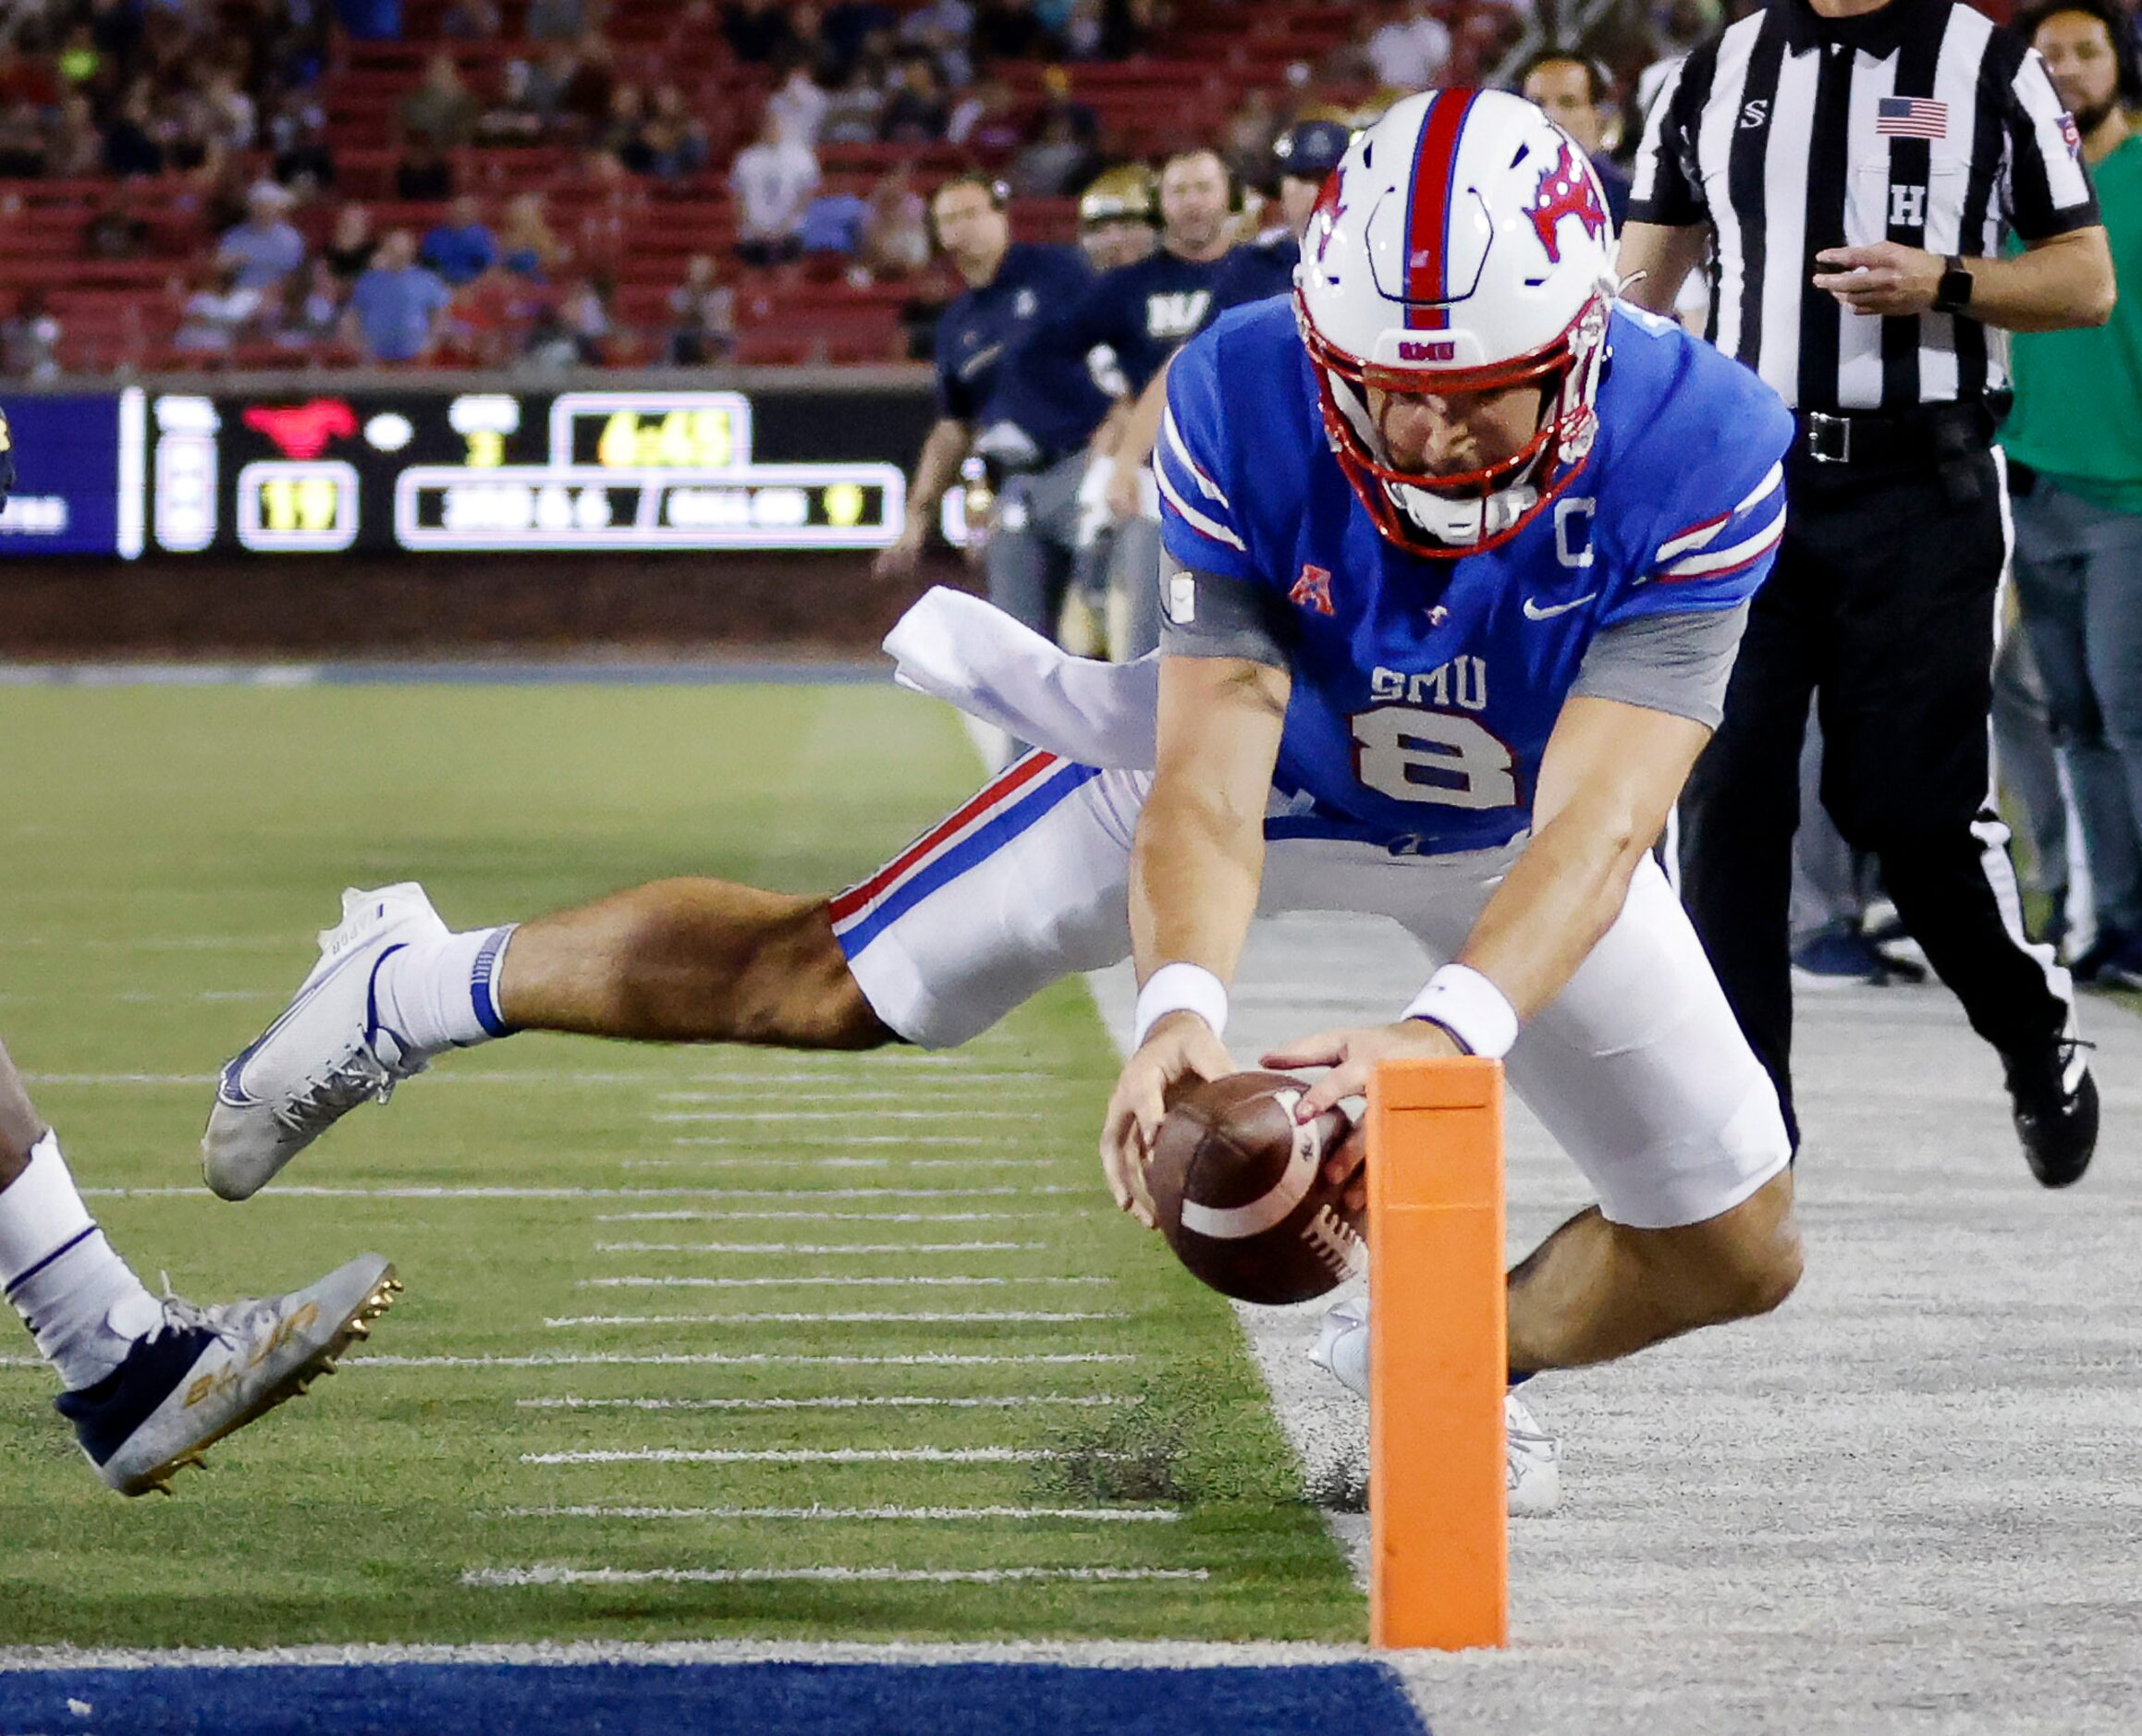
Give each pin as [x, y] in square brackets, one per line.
[1567, 190]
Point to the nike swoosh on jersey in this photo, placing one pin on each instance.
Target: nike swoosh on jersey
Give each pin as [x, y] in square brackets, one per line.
[1533, 612]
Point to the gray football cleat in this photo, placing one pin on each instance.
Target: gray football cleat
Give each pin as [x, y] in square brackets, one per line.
[205, 1372]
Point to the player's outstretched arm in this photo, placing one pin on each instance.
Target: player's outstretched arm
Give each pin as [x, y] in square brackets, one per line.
[1610, 775]
[1196, 868]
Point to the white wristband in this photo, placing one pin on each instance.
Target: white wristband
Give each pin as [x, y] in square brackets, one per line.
[1470, 1008]
[1180, 988]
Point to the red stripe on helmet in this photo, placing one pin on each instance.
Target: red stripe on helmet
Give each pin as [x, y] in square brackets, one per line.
[1428, 210]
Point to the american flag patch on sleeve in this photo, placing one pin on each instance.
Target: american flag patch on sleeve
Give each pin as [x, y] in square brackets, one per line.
[1911, 118]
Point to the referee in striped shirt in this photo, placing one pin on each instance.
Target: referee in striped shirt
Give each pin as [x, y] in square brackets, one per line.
[1854, 167]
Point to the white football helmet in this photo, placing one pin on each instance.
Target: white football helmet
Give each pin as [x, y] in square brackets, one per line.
[1461, 245]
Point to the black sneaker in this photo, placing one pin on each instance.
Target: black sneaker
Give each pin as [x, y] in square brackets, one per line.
[2056, 1109]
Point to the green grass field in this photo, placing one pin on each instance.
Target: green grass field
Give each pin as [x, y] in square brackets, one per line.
[170, 853]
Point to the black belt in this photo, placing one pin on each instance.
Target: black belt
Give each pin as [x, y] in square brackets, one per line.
[1930, 433]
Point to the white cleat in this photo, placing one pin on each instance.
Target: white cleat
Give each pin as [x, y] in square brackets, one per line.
[205, 1372]
[327, 1052]
[1532, 1465]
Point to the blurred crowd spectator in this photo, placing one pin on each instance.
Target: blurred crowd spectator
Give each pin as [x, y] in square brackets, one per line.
[232, 173]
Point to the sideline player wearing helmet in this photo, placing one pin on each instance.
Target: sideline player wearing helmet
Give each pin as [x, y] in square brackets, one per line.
[1455, 610]
[1119, 217]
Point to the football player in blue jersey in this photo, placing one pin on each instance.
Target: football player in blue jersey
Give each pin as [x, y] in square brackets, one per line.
[1462, 553]
[149, 1385]
[1462, 579]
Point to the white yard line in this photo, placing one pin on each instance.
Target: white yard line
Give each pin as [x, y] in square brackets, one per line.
[819, 1139]
[831, 1217]
[819, 1247]
[720, 1359]
[593, 1194]
[831, 1402]
[759, 1161]
[796, 1456]
[1102, 1515]
[843, 1115]
[875, 1280]
[578, 1079]
[969, 1317]
[550, 1575]
[754, 1090]
[551, 1654]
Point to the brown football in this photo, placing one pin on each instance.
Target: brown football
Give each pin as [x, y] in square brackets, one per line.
[1239, 1192]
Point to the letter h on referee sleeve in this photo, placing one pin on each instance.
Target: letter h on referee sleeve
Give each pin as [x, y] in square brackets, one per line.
[1439, 1356]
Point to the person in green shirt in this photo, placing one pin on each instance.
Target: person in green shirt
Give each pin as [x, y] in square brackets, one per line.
[2074, 453]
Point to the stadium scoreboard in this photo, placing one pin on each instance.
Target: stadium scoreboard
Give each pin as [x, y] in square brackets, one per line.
[421, 471]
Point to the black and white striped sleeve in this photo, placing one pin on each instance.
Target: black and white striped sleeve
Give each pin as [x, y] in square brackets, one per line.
[2048, 190]
[1668, 185]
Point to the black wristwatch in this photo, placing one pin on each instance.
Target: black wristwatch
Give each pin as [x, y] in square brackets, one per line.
[1952, 295]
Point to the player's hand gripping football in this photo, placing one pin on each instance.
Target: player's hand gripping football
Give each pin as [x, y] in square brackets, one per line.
[1352, 1055]
[1179, 1047]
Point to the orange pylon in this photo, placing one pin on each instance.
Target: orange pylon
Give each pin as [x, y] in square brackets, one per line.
[1439, 1357]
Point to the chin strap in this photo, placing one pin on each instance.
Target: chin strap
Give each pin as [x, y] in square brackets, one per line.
[1460, 522]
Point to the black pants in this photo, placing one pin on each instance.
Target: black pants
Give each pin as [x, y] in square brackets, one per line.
[1881, 606]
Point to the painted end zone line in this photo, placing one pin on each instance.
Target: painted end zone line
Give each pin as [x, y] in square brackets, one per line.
[801, 1456]
[549, 1575]
[837, 1403]
[1105, 1515]
[878, 1318]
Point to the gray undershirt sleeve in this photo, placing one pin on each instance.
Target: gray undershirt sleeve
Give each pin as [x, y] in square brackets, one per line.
[1208, 615]
[1678, 663]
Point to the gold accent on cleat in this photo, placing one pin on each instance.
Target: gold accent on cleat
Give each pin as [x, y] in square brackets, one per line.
[293, 1384]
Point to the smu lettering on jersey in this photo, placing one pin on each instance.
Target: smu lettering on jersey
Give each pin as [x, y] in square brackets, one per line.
[1425, 690]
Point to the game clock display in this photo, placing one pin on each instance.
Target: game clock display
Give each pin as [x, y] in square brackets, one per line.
[495, 471]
